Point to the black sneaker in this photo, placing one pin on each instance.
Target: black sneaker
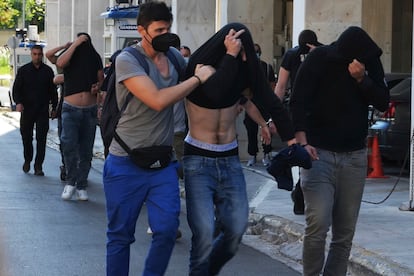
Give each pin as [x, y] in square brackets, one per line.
[39, 172]
[26, 167]
[298, 200]
[62, 173]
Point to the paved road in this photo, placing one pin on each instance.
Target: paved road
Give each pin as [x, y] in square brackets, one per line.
[40, 234]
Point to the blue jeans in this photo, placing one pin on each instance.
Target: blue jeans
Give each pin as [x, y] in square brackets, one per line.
[77, 138]
[127, 187]
[215, 189]
[333, 191]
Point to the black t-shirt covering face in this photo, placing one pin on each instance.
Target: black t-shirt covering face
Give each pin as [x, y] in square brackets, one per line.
[224, 88]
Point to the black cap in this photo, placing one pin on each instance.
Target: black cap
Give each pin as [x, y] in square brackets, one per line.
[308, 37]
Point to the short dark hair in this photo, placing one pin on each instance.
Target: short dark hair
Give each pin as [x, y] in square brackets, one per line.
[153, 11]
[37, 47]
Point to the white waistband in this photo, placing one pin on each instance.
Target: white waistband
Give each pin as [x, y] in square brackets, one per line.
[212, 147]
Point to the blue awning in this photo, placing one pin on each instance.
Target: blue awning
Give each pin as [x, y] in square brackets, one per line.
[116, 12]
[30, 44]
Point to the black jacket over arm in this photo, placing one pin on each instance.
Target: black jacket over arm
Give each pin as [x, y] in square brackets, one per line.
[225, 87]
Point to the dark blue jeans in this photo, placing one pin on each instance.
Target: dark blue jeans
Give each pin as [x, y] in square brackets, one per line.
[77, 138]
[127, 187]
[215, 190]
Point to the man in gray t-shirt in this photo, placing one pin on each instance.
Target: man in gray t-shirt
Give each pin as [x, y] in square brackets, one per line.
[148, 121]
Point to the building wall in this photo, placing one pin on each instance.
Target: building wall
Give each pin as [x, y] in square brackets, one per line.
[64, 19]
[274, 24]
[376, 19]
[194, 21]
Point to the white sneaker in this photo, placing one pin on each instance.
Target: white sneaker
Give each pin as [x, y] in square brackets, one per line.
[82, 195]
[149, 231]
[266, 160]
[251, 161]
[68, 192]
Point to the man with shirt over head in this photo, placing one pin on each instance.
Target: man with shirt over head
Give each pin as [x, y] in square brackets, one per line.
[329, 105]
[214, 181]
[52, 55]
[83, 73]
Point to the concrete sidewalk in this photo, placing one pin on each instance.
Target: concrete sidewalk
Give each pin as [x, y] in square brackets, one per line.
[383, 243]
[384, 239]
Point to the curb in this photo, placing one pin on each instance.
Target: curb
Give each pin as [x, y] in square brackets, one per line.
[287, 238]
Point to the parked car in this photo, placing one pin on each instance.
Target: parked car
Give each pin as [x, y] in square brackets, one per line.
[394, 125]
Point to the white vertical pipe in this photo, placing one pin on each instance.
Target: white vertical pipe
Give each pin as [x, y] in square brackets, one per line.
[90, 17]
[58, 25]
[23, 14]
[411, 195]
[174, 11]
[299, 19]
[72, 24]
[221, 13]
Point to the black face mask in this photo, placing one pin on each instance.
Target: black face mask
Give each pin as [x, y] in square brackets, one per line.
[163, 42]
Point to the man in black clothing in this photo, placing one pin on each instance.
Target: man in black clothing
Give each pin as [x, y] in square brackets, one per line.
[83, 76]
[332, 91]
[52, 55]
[33, 91]
[291, 61]
[251, 125]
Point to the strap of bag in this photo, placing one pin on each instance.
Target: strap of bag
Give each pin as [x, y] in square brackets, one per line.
[173, 58]
[141, 59]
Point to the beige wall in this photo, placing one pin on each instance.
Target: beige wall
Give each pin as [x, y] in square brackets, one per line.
[64, 21]
[377, 21]
[384, 20]
[195, 21]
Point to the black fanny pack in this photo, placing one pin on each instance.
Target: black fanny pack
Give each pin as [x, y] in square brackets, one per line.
[153, 158]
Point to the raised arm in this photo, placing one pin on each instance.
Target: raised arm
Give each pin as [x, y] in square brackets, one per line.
[145, 89]
[64, 58]
[51, 54]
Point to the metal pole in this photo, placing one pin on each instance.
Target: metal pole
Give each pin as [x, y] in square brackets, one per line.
[410, 205]
[24, 14]
[411, 196]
